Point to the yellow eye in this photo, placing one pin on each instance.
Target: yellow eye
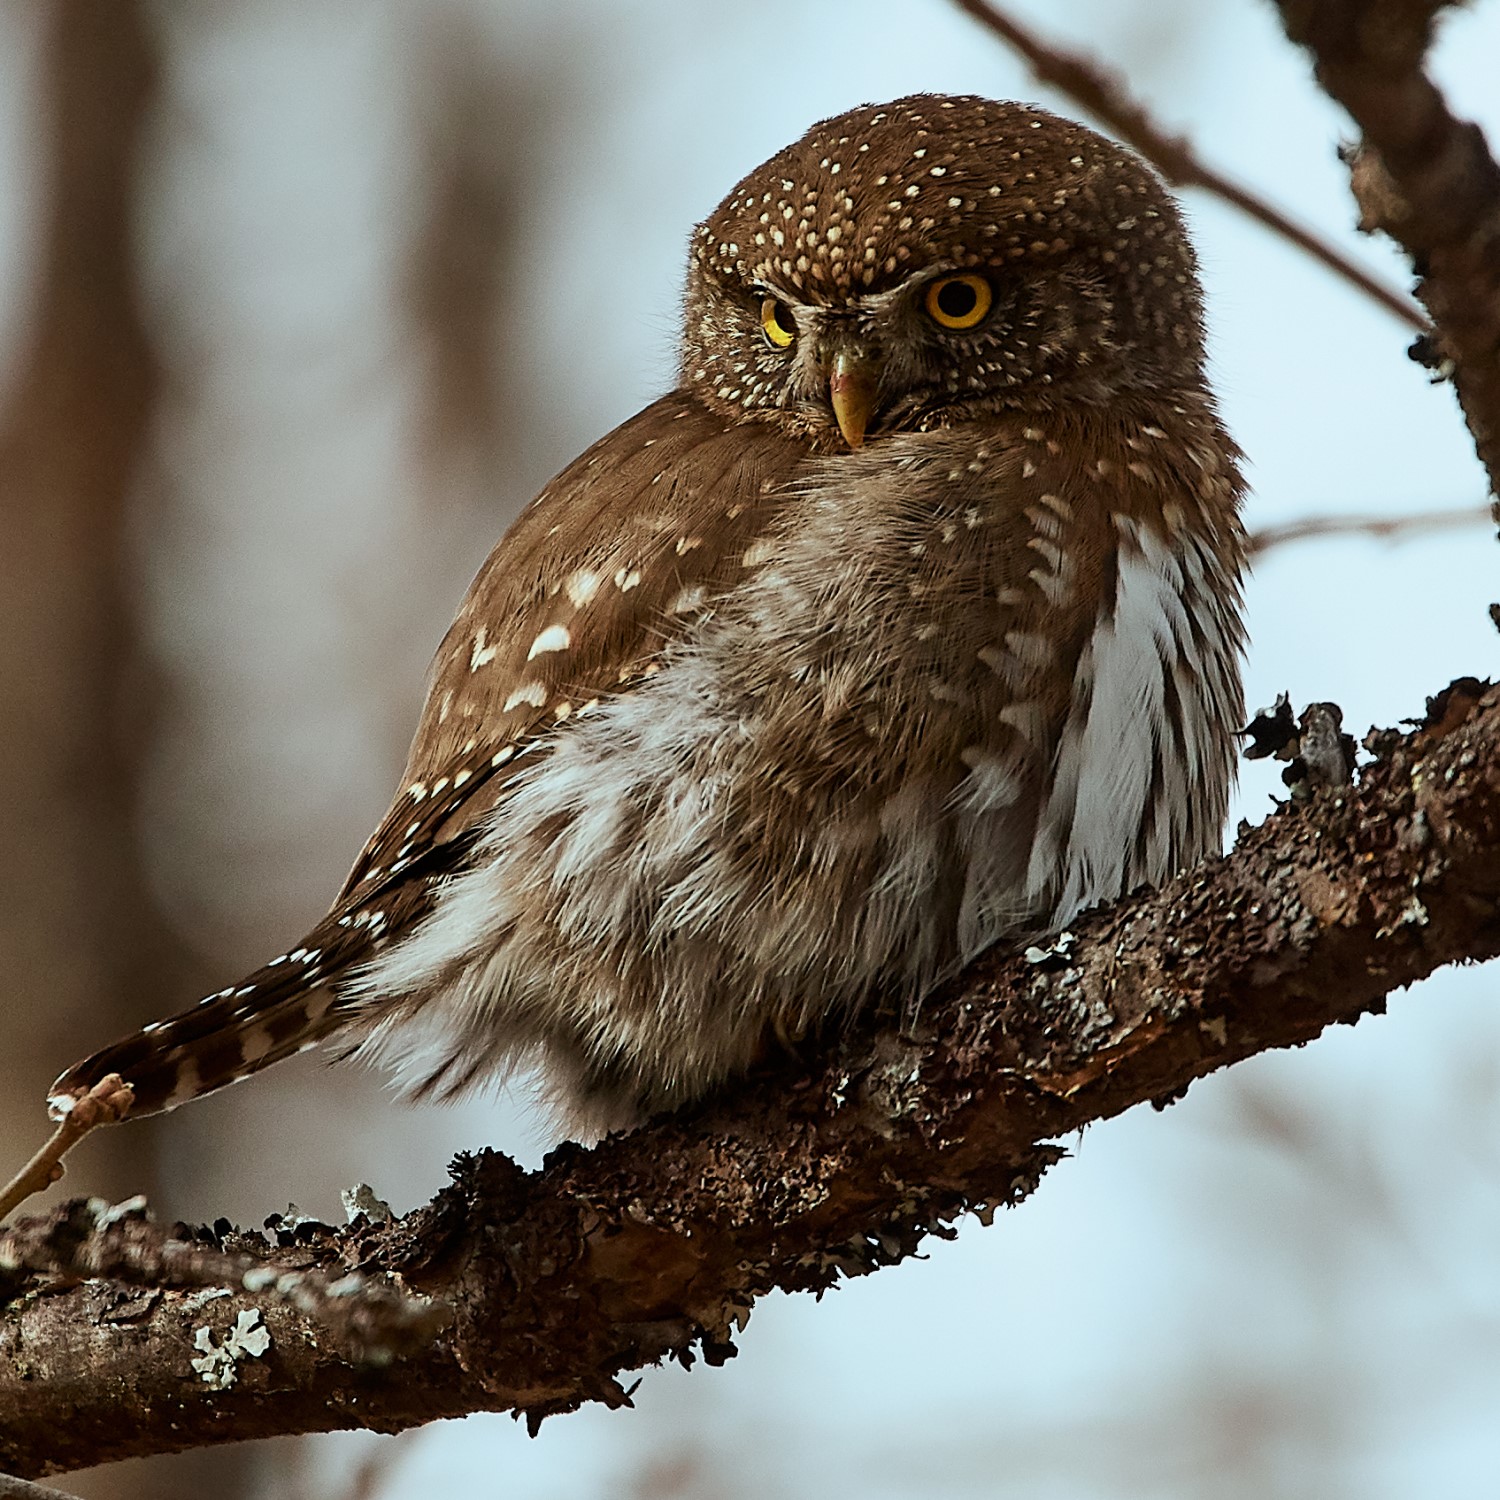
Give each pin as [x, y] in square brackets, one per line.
[776, 323]
[959, 301]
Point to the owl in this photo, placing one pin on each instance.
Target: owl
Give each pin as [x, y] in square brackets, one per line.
[907, 624]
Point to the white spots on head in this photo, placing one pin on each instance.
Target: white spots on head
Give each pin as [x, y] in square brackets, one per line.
[481, 655]
[553, 638]
[533, 693]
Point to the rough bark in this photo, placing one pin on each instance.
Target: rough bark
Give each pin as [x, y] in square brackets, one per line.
[1425, 178]
[554, 1283]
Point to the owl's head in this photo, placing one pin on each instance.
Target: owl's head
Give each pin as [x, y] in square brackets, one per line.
[919, 263]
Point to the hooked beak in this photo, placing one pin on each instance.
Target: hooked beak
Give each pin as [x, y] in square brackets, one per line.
[852, 383]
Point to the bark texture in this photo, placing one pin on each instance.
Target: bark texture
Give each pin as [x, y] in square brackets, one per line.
[534, 1292]
[1424, 177]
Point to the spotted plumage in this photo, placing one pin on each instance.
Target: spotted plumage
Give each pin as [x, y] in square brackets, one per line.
[908, 623]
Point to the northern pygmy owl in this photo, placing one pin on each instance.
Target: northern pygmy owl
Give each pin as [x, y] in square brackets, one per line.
[909, 622]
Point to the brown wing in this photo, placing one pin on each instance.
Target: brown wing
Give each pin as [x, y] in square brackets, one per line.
[580, 598]
[638, 536]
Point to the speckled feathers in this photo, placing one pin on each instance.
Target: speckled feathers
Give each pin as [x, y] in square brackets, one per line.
[738, 728]
[1095, 279]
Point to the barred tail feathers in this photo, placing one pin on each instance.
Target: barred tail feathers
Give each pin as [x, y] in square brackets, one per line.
[284, 1007]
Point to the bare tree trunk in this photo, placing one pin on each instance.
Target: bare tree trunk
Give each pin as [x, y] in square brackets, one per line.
[81, 947]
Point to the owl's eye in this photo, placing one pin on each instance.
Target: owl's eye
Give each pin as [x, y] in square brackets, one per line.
[959, 301]
[776, 323]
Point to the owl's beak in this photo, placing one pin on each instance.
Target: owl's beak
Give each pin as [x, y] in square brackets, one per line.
[852, 383]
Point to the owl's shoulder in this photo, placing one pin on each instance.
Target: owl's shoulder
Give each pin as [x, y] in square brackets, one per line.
[630, 543]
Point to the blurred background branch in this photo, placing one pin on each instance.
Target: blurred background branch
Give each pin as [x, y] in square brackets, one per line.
[1106, 96]
[1435, 188]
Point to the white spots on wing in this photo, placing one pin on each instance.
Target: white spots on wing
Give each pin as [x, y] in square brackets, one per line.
[417, 791]
[759, 551]
[1031, 649]
[460, 777]
[687, 600]
[993, 782]
[1028, 720]
[553, 638]
[627, 579]
[581, 586]
[1054, 586]
[532, 693]
[686, 544]
[500, 757]
[481, 655]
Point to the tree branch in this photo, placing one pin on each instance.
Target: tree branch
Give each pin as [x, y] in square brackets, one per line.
[1424, 177]
[1106, 96]
[655, 1245]
[1386, 528]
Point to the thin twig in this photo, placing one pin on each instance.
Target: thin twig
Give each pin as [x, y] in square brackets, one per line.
[1387, 527]
[104, 1104]
[1105, 96]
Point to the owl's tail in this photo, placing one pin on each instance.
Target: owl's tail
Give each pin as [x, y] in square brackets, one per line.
[285, 1006]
